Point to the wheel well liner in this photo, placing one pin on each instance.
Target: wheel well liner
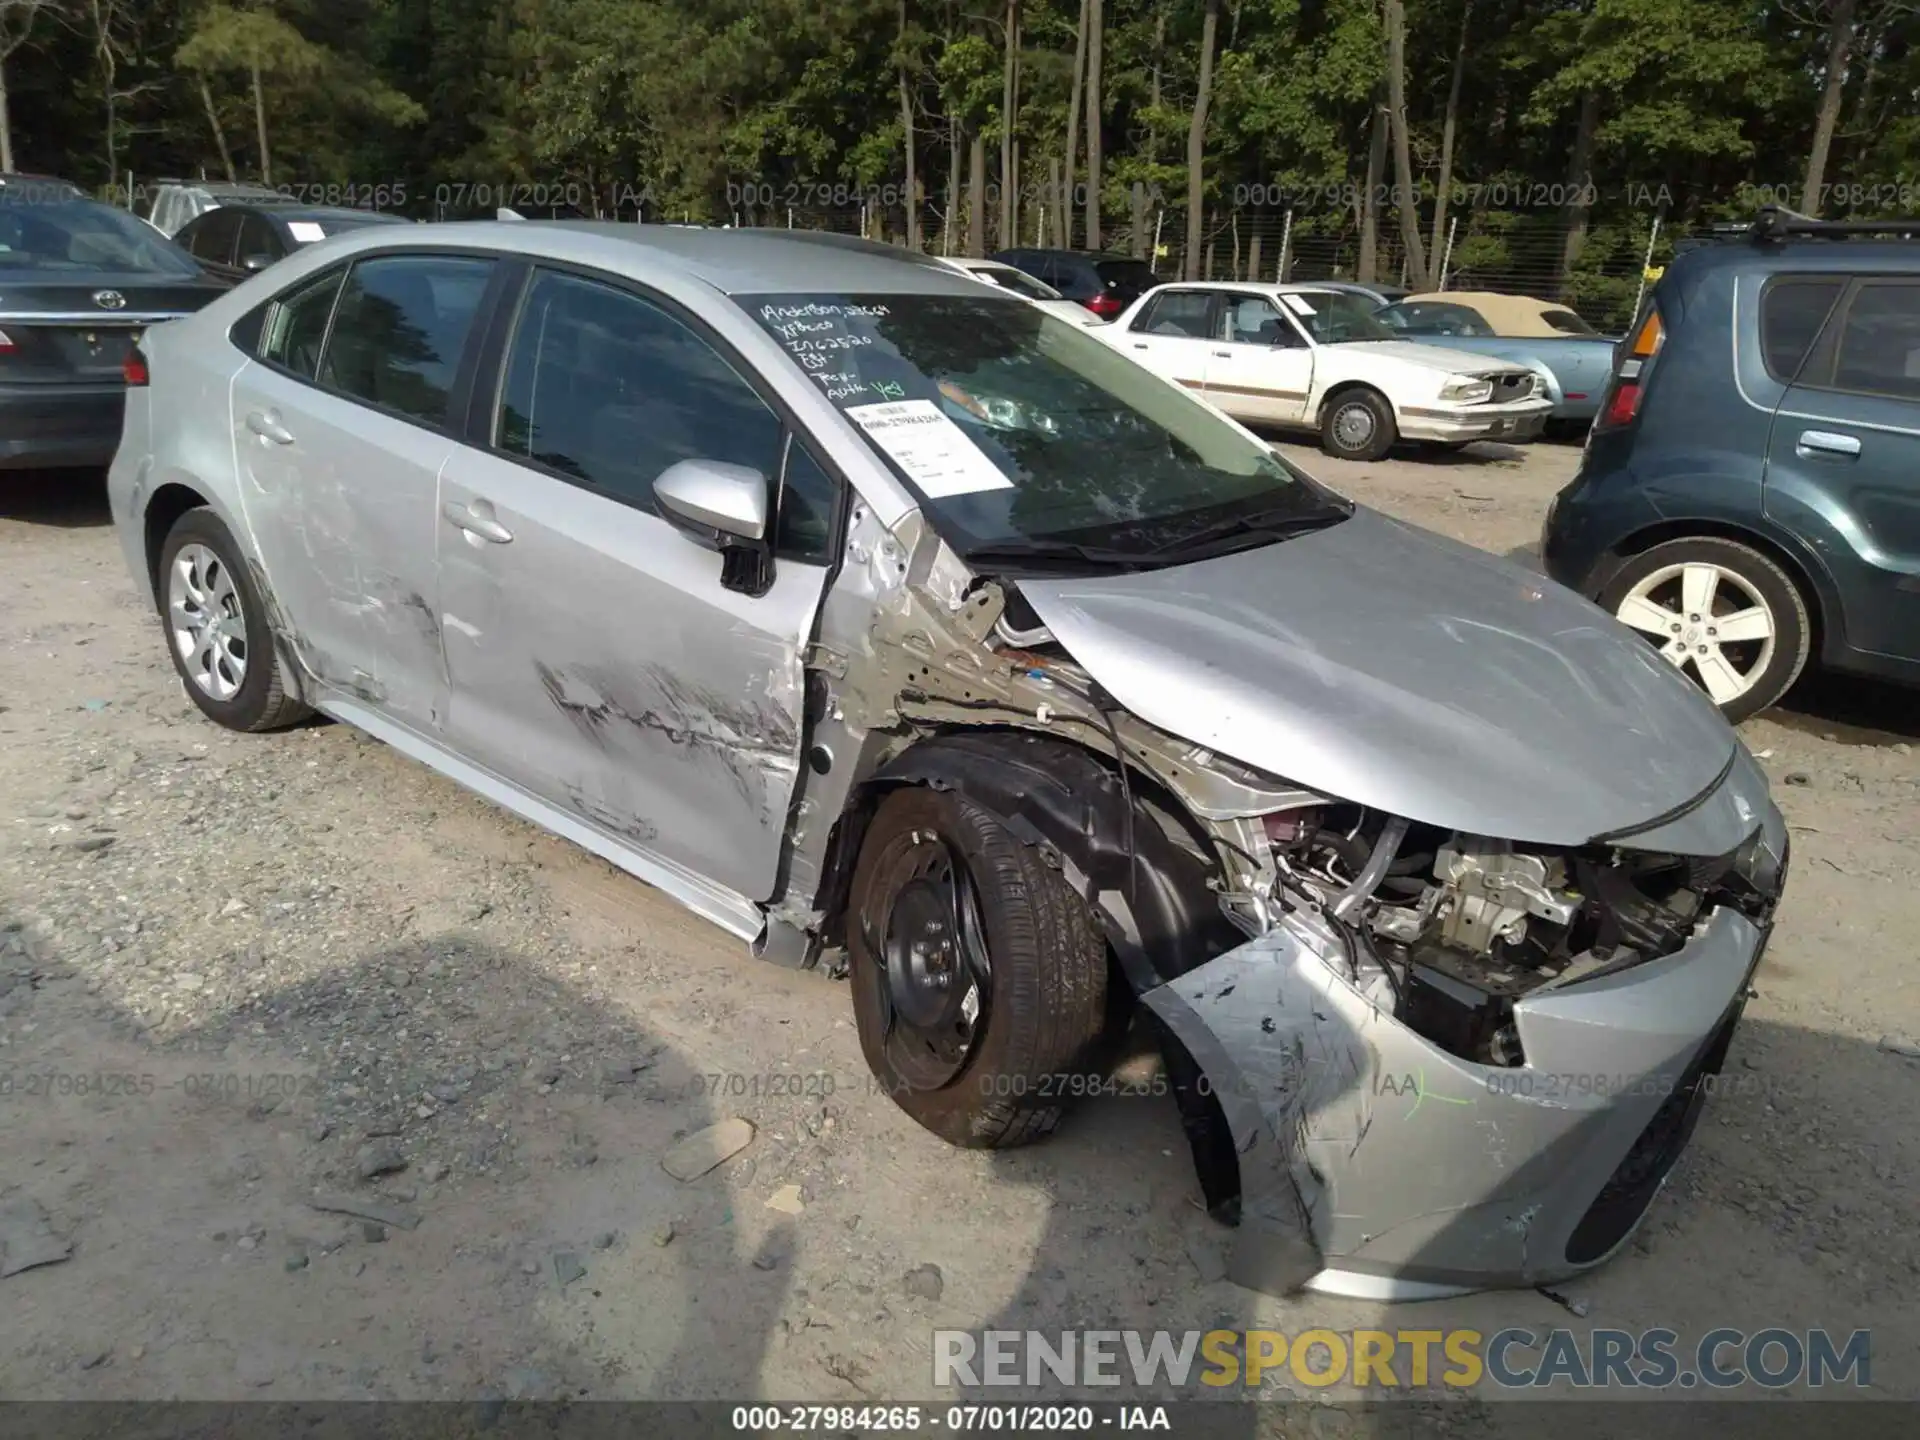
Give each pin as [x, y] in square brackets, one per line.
[164, 509]
[1160, 915]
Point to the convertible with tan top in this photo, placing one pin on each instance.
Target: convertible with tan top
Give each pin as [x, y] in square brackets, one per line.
[1314, 358]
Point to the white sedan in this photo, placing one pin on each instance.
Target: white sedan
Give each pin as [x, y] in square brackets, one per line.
[993, 272]
[1316, 359]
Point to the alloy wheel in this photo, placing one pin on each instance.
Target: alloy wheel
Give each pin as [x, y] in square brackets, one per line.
[208, 624]
[1708, 621]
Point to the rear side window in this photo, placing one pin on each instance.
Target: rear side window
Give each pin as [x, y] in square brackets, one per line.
[297, 325]
[1791, 315]
[257, 238]
[398, 331]
[606, 388]
[1566, 322]
[1178, 313]
[211, 237]
[1128, 277]
[1880, 347]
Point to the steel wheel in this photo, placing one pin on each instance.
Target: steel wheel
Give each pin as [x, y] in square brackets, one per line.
[208, 624]
[1708, 620]
[932, 983]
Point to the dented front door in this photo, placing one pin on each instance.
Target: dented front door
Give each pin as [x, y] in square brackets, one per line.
[597, 662]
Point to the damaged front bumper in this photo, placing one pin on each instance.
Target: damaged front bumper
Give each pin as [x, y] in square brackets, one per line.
[1373, 1163]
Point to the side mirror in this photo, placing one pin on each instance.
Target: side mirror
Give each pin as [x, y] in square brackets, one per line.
[254, 264]
[729, 502]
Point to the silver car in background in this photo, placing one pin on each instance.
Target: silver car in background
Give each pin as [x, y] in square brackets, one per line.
[912, 634]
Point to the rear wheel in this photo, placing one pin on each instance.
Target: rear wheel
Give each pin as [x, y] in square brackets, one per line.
[1731, 619]
[1357, 425]
[979, 976]
[217, 630]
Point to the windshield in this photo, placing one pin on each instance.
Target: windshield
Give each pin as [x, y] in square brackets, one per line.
[83, 235]
[1015, 427]
[1334, 317]
[1018, 281]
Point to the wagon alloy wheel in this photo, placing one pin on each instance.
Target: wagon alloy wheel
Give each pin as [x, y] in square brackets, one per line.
[934, 979]
[1722, 613]
[208, 622]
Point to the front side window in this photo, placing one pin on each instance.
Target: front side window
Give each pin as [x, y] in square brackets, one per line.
[257, 239]
[399, 328]
[297, 326]
[1021, 432]
[1880, 347]
[608, 389]
[1255, 320]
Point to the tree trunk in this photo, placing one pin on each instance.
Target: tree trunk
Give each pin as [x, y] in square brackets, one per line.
[949, 231]
[260, 125]
[1446, 137]
[1009, 101]
[1406, 199]
[1839, 48]
[1063, 202]
[219, 135]
[1197, 140]
[1579, 177]
[6, 124]
[1096, 19]
[906, 132]
[1153, 85]
[977, 196]
[1370, 196]
[1141, 240]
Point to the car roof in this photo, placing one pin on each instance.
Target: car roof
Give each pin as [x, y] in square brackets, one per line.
[325, 212]
[733, 261]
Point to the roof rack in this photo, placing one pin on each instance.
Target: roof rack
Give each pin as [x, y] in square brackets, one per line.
[1776, 222]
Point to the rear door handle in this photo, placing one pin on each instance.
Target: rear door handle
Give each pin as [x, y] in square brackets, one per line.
[266, 424]
[470, 519]
[1223, 354]
[1824, 442]
[1139, 345]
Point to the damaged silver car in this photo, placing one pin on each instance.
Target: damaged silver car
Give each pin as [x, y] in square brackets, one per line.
[911, 634]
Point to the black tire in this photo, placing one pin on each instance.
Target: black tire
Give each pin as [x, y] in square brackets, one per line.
[262, 701]
[1044, 1006]
[1763, 580]
[1381, 430]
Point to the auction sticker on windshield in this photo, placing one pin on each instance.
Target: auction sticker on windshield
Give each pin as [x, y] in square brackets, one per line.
[305, 231]
[935, 453]
[1298, 304]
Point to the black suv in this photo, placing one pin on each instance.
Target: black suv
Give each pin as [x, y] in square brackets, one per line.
[1750, 493]
[1105, 284]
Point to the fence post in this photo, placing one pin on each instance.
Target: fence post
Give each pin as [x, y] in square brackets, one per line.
[1446, 260]
[1646, 264]
[1159, 214]
[1286, 248]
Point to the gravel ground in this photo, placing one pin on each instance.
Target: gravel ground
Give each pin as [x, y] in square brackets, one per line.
[328, 1080]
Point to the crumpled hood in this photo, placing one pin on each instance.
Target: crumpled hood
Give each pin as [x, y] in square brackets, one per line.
[1383, 664]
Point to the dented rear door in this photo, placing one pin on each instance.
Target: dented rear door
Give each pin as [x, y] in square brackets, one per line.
[594, 656]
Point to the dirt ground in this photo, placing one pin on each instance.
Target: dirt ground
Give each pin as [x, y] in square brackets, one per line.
[239, 973]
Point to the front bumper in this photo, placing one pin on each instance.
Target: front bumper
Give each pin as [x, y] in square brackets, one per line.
[1521, 421]
[1373, 1163]
[56, 425]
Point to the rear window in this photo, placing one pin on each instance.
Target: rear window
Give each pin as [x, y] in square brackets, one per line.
[1135, 276]
[1792, 313]
[78, 235]
[1567, 323]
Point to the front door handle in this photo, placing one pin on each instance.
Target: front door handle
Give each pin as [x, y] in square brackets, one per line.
[480, 525]
[266, 424]
[1824, 442]
[1139, 345]
[1223, 354]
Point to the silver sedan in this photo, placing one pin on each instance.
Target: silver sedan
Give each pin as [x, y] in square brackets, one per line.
[914, 635]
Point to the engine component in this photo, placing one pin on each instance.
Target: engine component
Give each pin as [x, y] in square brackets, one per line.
[1491, 890]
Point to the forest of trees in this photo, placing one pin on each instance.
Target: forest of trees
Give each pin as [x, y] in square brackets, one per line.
[1524, 143]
